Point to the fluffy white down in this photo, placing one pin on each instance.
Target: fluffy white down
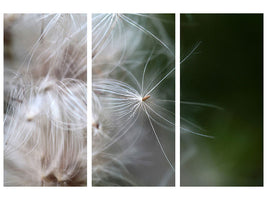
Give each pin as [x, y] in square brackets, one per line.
[45, 100]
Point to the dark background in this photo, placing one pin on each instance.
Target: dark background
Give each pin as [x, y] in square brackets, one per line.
[226, 70]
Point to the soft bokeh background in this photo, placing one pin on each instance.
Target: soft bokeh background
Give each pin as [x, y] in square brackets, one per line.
[226, 70]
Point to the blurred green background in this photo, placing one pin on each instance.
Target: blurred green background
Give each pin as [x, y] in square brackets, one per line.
[226, 70]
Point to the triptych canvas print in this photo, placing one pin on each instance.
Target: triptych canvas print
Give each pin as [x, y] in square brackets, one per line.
[134, 123]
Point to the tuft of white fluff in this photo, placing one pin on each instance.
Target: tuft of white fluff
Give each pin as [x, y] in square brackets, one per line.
[45, 121]
[133, 100]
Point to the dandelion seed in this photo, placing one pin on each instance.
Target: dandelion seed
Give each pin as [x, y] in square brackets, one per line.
[145, 98]
[131, 63]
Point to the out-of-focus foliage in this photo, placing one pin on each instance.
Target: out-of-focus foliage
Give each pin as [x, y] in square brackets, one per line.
[226, 70]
